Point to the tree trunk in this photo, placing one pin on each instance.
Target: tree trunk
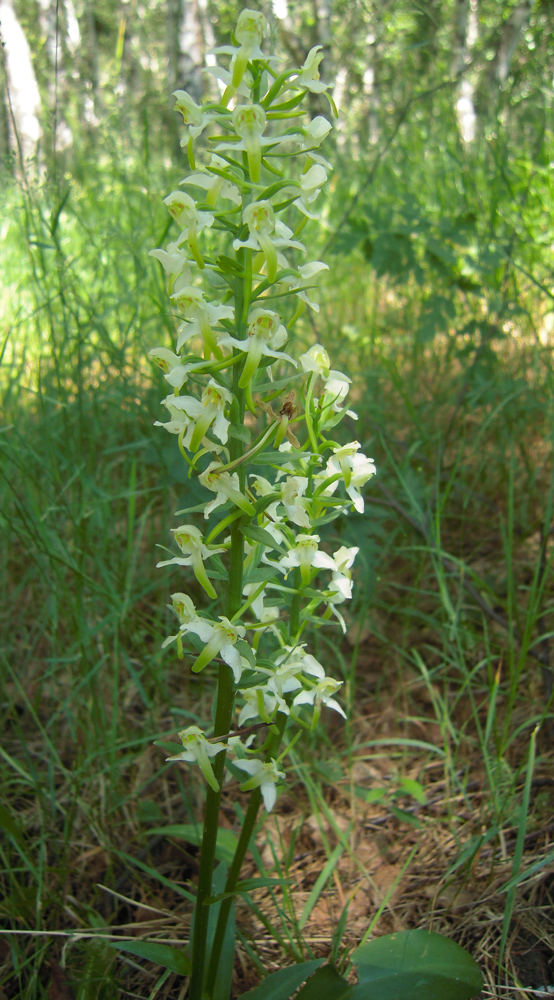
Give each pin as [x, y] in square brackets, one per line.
[21, 90]
[464, 38]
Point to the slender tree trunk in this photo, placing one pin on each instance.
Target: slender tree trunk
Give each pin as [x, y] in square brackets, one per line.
[509, 40]
[465, 31]
[185, 49]
[21, 89]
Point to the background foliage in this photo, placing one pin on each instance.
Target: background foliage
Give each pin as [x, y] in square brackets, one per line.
[439, 304]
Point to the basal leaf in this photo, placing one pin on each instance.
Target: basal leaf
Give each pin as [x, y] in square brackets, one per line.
[282, 984]
[415, 965]
[325, 984]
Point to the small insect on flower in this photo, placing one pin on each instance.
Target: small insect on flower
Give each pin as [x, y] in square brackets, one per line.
[288, 408]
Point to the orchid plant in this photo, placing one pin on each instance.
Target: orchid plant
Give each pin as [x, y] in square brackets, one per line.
[257, 423]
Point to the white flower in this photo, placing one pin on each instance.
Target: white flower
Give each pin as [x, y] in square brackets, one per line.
[226, 486]
[309, 74]
[183, 607]
[213, 184]
[336, 388]
[174, 260]
[295, 661]
[307, 273]
[193, 114]
[264, 776]
[190, 541]
[321, 694]
[315, 132]
[356, 470]
[262, 613]
[202, 316]
[220, 640]
[264, 488]
[294, 501]
[250, 30]
[265, 333]
[313, 135]
[183, 209]
[310, 185]
[164, 358]
[261, 702]
[186, 612]
[316, 360]
[340, 587]
[197, 749]
[306, 555]
[214, 399]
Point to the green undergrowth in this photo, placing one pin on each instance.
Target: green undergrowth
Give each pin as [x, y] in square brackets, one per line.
[450, 629]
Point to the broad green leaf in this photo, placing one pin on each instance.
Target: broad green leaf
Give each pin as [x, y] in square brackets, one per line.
[161, 954]
[325, 984]
[415, 965]
[282, 984]
[226, 841]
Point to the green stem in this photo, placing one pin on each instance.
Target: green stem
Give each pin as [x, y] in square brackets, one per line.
[222, 725]
[224, 713]
[294, 620]
[236, 864]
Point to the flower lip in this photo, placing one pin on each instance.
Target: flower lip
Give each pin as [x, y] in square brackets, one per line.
[249, 119]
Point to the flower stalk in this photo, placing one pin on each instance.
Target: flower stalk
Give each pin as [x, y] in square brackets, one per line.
[269, 529]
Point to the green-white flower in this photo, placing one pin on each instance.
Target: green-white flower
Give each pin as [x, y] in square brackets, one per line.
[220, 639]
[264, 776]
[320, 694]
[308, 76]
[265, 334]
[190, 541]
[356, 471]
[226, 486]
[183, 209]
[197, 749]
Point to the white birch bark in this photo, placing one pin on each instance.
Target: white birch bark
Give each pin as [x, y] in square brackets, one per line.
[22, 96]
[466, 28]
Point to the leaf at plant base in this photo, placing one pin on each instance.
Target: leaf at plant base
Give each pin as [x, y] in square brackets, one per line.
[225, 965]
[325, 984]
[226, 841]
[415, 965]
[161, 954]
[282, 984]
